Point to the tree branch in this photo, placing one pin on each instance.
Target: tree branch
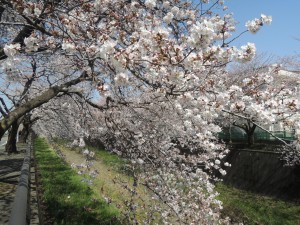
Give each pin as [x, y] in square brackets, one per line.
[1, 11]
[5, 123]
[4, 105]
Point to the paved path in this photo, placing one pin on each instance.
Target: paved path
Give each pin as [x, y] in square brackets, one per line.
[10, 167]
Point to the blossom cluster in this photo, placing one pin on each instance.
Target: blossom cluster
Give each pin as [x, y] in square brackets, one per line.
[254, 25]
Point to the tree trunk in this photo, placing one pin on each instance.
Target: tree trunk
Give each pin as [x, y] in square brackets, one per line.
[11, 146]
[250, 133]
[250, 136]
[23, 135]
[249, 128]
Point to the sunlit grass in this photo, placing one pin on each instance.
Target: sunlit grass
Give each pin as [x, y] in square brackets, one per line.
[113, 181]
[68, 200]
[251, 208]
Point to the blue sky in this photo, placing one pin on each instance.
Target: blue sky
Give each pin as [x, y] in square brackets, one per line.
[278, 39]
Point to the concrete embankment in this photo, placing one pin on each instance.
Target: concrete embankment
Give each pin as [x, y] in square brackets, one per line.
[263, 172]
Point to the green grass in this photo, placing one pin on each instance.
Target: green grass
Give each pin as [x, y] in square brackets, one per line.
[251, 208]
[68, 200]
[114, 162]
[113, 178]
[114, 175]
[60, 181]
[109, 159]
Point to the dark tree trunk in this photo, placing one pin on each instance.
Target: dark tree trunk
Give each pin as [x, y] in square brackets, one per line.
[250, 136]
[11, 145]
[23, 135]
[27, 124]
[250, 133]
[249, 128]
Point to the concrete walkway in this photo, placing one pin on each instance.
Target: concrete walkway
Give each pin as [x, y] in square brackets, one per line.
[10, 167]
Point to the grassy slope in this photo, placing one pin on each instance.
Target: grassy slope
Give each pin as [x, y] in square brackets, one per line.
[111, 179]
[239, 205]
[250, 208]
[68, 200]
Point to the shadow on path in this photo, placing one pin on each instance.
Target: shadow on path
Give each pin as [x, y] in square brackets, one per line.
[10, 170]
[7, 195]
[10, 167]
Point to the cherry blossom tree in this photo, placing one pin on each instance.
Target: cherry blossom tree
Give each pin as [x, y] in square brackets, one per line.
[160, 69]
[261, 96]
[67, 117]
[22, 87]
[15, 92]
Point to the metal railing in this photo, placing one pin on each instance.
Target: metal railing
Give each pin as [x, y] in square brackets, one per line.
[20, 211]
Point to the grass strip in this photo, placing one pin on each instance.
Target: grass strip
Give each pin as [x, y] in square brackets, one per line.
[251, 208]
[68, 200]
[113, 181]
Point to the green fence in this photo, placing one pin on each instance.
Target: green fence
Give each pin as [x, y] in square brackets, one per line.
[259, 135]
